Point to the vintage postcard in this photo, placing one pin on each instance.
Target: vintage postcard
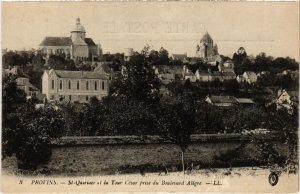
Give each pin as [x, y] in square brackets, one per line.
[150, 97]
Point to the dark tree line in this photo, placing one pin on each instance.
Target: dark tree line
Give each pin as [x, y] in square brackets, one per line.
[27, 131]
[262, 62]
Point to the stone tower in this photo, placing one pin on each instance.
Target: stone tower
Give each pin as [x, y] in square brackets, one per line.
[78, 31]
[206, 48]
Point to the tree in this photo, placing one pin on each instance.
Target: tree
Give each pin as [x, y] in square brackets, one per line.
[208, 119]
[124, 117]
[154, 58]
[239, 56]
[11, 59]
[231, 86]
[177, 123]
[35, 129]
[262, 62]
[141, 84]
[12, 99]
[280, 64]
[35, 78]
[93, 117]
[238, 118]
[38, 62]
[164, 56]
[285, 123]
[160, 57]
[59, 62]
[216, 83]
[27, 131]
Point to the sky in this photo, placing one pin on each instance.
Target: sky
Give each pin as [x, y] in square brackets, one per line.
[270, 27]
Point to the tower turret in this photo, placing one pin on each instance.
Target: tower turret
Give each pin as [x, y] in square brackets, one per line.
[77, 31]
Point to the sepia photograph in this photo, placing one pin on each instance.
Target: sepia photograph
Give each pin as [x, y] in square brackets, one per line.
[150, 97]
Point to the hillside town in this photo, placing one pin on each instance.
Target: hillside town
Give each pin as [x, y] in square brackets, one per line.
[75, 69]
[67, 87]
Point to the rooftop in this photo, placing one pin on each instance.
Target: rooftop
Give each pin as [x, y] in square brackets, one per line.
[65, 41]
[78, 74]
[244, 101]
[206, 38]
[179, 56]
[223, 99]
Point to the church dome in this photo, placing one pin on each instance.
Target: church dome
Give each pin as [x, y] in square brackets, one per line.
[78, 27]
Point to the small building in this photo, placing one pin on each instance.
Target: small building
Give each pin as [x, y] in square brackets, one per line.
[202, 76]
[74, 85]
[227, 66]
[223, 101]
[128, 53]
[21, 78]
[164, 75]
[35, 92]
[287, 98]
[250, 77]
[216, 75]
[228, 75]
[245, 101]
[176, 70]
[240, 79]
[180, 57]
[190, 76]
[263, 73]
[214, 60]
[228, 101]
[206, 76]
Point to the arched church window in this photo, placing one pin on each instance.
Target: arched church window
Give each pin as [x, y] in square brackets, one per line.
[87, 85]
[60, 84]
[77, 85]
[52, 85]
[102, 85]
[69, 85]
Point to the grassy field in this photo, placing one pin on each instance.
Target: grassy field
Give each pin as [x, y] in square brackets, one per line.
[80, 160]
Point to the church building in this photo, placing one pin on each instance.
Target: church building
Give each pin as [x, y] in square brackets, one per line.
[76, 46]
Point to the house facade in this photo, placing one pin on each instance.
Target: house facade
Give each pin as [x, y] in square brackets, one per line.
[240, 79]
[287, 98]
[21, 78]
[227, 66]
[74, 85]
[202, 76]
[250, 77]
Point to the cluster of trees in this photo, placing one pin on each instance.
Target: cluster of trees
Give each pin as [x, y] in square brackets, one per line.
[116, 60]
[120, 116]
[13, 58]
[281, 81]
[27, 131]
[262, 62]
